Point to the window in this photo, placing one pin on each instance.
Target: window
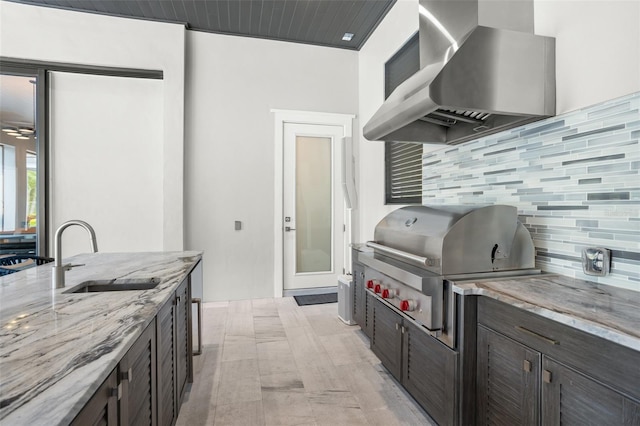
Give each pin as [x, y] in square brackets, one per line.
[403, 161]
[19, 209]
[25, 146]
[403, 171]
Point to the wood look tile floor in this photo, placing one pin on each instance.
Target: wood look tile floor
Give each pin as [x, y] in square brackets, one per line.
[272, 362]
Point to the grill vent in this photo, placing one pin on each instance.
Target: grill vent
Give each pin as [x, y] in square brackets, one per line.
[449, 117]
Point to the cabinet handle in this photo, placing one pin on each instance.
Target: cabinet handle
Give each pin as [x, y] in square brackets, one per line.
[526, 366]
[198, 303]
[403, 329]
[539, 336]
[126, 375]
[546, 376]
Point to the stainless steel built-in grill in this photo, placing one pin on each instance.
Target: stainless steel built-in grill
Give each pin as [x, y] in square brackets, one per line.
[418, 251]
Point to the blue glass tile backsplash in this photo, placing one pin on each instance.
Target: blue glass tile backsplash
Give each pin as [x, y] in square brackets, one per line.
[575, 179]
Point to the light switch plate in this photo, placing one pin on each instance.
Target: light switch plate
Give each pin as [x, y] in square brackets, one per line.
[596, 261]
[238, 225]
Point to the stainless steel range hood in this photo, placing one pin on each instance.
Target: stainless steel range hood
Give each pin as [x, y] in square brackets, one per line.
[482, 71]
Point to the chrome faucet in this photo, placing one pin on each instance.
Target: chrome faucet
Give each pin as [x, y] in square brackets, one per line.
[58, 268]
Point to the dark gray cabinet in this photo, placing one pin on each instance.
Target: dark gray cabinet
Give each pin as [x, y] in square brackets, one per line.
[532, 371]
[137, 373]
[572, 398]
[183, 339]
[173, 354]
[359, 295]
[166, 358]
[369, 300]
[102, 408]
[386, 339]
[429, 373]
[508, 381]
[422, 364]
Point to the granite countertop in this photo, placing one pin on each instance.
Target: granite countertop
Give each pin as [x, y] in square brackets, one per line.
[605, 311]
[57, 348]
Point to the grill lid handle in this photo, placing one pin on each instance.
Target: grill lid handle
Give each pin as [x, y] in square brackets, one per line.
[425, 261]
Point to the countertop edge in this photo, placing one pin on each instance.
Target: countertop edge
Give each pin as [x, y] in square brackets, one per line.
[590, 327]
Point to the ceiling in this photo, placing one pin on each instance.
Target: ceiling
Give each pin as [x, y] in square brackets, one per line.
[319, 22]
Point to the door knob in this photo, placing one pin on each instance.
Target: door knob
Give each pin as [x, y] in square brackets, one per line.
[289, 229]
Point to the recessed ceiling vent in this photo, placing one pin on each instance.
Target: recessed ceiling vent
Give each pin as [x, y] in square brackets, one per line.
[482, 71]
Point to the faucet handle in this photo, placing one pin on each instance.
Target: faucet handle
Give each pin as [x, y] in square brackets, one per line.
[68, 266]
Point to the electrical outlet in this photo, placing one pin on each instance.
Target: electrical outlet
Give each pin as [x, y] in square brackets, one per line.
[596, 261]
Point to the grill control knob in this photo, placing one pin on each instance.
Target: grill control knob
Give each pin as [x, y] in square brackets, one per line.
[408, 305]
[370, 284]
[387, 294]
[377, 288]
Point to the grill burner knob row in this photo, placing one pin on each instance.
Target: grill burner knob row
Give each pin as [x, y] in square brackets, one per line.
[408, 305]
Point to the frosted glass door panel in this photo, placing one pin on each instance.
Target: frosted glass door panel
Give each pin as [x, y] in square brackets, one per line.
[314, 205]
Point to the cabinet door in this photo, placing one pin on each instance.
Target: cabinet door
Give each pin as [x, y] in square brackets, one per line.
[137, 371]
[580, 400]
[368, 313]
[183, 341]
[165, 338]
[429, 373]
[508, 381]
[359, 301]
[102, 408]
[386, 339]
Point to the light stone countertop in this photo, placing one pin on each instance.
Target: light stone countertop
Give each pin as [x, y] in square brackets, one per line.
[57, 348]
[605, 311]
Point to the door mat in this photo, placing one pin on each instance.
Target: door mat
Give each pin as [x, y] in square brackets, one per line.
[316, 299]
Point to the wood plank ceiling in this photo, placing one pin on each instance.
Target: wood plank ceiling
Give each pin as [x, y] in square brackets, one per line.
[319, 22]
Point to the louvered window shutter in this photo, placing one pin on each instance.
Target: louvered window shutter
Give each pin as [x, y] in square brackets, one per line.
[403, 161]
[403, 172]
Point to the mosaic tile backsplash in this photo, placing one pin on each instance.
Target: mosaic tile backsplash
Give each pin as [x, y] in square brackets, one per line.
[575, 179]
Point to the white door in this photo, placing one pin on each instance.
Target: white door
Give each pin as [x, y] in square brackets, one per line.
[313, 222]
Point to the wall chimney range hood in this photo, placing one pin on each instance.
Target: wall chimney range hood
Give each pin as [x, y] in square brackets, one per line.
[482, 71]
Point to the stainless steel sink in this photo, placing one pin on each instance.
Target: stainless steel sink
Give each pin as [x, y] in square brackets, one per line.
[94, 286]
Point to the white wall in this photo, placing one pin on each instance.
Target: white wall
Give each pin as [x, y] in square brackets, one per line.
[46, 34]
[597, 49]
[232, 84]
[396, 28]
[597, 58]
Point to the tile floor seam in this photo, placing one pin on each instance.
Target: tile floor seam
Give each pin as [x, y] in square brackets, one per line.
[318, 327]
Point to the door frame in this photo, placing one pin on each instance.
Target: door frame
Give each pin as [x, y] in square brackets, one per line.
[296, 117]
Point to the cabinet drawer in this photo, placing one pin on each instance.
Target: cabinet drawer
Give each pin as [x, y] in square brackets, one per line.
[603, 360]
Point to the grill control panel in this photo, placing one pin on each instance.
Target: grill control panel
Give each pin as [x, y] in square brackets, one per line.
[404, 298]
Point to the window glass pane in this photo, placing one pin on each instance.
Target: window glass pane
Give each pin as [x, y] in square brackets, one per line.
[18, 164]
[32, 201]
[313, 204]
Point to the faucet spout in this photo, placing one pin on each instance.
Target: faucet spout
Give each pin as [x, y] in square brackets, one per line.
[58, 268]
